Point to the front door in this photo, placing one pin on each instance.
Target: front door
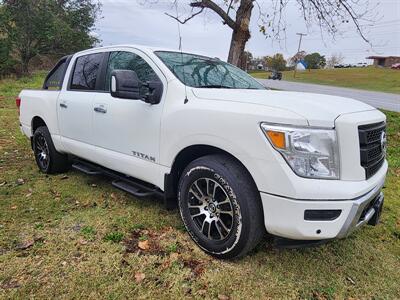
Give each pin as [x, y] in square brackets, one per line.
[127, 132]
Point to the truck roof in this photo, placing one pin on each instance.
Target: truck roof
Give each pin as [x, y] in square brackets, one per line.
[144, 48]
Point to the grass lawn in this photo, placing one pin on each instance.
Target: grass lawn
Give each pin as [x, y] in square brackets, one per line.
[370, 78]
[75, 236]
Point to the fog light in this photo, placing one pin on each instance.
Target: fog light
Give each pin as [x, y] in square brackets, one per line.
[321, 214]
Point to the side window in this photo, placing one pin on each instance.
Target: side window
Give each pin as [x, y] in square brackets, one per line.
[56, 76]
[86, 72]
[129, 61]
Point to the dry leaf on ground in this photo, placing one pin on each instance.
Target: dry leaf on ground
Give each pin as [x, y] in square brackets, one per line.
[139, 277]
[144, 245]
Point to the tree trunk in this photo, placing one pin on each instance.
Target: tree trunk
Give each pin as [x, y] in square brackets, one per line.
[241, 32]
[25, 58]
[24, 67]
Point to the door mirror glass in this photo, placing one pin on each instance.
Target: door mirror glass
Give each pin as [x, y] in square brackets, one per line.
[125, 84]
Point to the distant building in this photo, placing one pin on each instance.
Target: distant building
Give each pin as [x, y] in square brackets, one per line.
[385, 61]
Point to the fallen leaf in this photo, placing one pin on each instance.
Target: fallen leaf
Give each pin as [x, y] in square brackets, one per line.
[94, 185]
[14, 207]
[174, 256]
[3, 183]
[113, 196]
[64, 263]
[144, 245]
[10, 284]
[139, 277]
[351, 280]
[83, 242]
[28, 195]
[25, 245]
[20, 181]
[55, 193]
[196, 266]
[223, 297]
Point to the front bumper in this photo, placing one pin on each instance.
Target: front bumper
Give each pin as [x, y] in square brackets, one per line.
[285, 217]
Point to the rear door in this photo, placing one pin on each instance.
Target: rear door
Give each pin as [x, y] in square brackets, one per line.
[75, 104]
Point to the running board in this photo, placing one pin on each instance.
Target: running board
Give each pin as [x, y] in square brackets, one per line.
[134, 188]
[128, 184]
[85, 168]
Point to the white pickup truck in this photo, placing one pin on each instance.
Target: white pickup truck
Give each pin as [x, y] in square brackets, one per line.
[237, 159]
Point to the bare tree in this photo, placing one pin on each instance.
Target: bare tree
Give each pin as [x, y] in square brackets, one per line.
[297, 57]
[327, 14]
[335, 59]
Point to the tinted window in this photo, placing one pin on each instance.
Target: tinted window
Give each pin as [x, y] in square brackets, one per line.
[86, 71]
[56, 76]
[130, 61]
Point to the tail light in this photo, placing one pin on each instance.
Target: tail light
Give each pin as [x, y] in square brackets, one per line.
[18, 103]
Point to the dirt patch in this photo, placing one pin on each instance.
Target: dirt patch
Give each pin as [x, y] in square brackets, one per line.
[133, 243]
[196, 266]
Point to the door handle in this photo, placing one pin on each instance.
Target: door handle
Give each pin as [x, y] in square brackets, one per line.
[63, 105]
[100, 110]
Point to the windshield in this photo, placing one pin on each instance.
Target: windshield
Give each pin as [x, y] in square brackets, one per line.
[204, 72]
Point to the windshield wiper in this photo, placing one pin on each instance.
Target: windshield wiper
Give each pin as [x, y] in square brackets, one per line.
[215, 86]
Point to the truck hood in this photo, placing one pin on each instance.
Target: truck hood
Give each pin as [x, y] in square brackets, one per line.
[318, 109]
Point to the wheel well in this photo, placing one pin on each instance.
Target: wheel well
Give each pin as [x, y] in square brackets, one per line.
[185, 157]
[36, 123]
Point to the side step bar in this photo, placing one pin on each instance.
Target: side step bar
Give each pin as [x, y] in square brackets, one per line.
[85, 168]
[134, 188]
[128, 184]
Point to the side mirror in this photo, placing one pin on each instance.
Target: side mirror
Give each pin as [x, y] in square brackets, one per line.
[125, 84]
[155, 90]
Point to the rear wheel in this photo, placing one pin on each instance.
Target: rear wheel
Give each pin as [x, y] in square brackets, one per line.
[47, 158]
[220, 206]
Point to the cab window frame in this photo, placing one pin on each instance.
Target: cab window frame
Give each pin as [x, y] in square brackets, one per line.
[100, 76]
[133, 53]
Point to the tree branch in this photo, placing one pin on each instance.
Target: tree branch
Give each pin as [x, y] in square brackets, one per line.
[354, 19]
[188, 18]
[217, 9]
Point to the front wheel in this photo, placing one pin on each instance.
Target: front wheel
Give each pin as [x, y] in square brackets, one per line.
[220, 206]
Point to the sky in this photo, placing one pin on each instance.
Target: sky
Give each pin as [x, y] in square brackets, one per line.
[145, 23]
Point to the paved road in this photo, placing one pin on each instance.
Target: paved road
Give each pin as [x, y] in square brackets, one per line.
[377, 99]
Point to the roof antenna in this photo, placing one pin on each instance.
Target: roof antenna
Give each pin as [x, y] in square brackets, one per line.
[180, 49]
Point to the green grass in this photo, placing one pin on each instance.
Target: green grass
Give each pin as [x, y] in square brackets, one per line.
[370, 78]
[81, 240]
[10, 88]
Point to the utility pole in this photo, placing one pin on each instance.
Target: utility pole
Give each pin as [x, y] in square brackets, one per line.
[298, 50]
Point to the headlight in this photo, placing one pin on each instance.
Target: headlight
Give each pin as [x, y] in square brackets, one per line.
[311, 153]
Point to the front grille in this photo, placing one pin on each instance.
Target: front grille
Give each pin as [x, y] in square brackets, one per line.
[371, 151]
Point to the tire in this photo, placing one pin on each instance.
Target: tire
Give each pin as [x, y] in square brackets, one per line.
[220, 206]
[47, 158]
